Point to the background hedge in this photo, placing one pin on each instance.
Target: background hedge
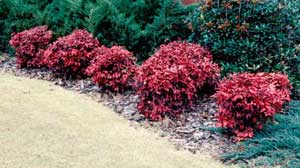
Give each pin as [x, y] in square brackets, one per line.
[140, 25]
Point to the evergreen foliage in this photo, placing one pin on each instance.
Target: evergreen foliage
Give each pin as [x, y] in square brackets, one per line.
[252, 36]
[277, 144]
[63, 16]
[139, 25]
[16, 16]
[167, 24]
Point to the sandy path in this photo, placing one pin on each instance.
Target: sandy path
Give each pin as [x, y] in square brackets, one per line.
[45, 126]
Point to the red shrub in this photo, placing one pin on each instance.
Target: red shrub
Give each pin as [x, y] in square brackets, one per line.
[30, 45]
[188, 2]
[112, 68]
[169, 81]
[246, 101]
[70, 55]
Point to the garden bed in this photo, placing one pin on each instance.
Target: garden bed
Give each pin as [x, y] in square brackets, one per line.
[191, 131]
[43, 125]
[194, 130]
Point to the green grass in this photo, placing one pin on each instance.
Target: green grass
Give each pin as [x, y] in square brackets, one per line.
[277, 145]
[45, 126]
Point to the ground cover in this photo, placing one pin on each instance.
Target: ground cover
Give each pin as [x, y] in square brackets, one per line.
[276, 145]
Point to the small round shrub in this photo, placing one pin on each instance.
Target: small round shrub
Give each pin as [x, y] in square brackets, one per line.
[71, 55]
[169, 81]
[30, 45]
[246, 101]
[112, 68]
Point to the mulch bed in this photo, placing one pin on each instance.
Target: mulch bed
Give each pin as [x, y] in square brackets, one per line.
[186, 132]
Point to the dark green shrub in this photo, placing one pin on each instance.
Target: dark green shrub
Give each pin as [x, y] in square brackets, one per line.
[168, 24]
[16, 16]
[250, 35]
[140, 25]
[3, 16]
[64, 16]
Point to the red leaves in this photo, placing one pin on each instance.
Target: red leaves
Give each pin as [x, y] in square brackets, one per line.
[188, 2]
[71, 54]
[246, 101]
[112, 68]
[30, 45]
[169, 81]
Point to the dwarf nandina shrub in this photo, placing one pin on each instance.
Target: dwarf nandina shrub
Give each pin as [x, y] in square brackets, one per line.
[246, 101]
[171, 54]
[30, 45]
[169, 81]
[112, 68]
[70, 55]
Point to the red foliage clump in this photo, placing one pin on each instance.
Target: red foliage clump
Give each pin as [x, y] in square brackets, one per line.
[246, 101]
[30, 45]
[113, 68]
[188, 2]
[168, 82]
[71, 55]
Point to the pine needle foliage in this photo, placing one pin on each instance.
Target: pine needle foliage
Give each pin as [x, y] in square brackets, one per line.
[63, 16]
[139, 25]
[167, 24]
[15, 16]
[278, 144]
